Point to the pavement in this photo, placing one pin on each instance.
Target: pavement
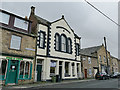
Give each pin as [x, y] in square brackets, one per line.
[43, 84]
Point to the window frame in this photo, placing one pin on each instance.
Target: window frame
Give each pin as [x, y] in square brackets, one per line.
[89, 60]
[42, 47]
[77, 49]
[69, 44]
[63, 44]
[11, 41]
[57, 42]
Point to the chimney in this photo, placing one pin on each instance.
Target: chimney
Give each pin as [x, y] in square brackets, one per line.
[62, 16]
[33, 10]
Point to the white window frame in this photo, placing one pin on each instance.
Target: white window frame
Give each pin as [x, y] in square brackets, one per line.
[4, 18]
[20, 23]
[63, 43]
[42, 39]
[15, 43]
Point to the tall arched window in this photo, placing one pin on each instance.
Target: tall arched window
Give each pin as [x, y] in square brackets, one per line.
[22, 65]
[57, 41]
[27, 68]
[69, 45]
[63, 43]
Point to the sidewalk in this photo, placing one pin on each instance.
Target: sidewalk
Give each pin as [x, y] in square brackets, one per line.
[41, 84]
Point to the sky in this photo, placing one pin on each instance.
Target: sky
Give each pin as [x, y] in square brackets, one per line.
[87, 23]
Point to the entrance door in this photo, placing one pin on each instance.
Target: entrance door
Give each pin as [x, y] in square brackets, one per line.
[39, 72]
[12, 74]
[60, 72]
[85, 73]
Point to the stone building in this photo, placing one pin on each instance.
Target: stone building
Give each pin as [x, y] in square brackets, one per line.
[94, 60]
[17, 49]
[57, 49]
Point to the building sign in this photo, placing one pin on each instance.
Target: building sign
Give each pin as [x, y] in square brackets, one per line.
[13, 58]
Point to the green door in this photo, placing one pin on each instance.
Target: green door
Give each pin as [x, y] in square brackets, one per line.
[39, 70]
[12, 74]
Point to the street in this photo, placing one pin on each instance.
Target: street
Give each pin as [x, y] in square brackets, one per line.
[112, 83]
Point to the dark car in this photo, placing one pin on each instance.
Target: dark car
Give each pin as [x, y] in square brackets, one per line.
[115, 75]
[102, 76]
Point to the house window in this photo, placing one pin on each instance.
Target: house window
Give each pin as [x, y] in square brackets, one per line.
[89, 60]
[63, 43]
[77, 49]
[21, 23]
[22, 65]
[104, 59]
[15, 42]
[90, 71]
[42, 39]
[66, 69]
[27, 69]
[52, 68]
[100, 58]
[69, 46]
[4, 18]
[83, 58]
[57, 41]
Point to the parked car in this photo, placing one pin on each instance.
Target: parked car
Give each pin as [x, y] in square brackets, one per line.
[115, 75]
[102, 76]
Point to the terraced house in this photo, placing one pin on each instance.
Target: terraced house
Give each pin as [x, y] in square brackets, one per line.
[18, 49]
[57, 49]
[94, 60]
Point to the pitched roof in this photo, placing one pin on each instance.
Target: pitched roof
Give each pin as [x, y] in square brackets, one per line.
[41, 20]
[88, 51]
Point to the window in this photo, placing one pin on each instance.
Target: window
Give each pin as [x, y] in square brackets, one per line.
[83, 58]
[100, 58]
[4, 18]
[21, 23]
[27, 69]
[42, 39]
[66, 69]
[3, 65]
[57, 42]
[63, 43]
[77, 49]
[104, 59]
[15, 42]
[69, 46]
[90, 71]
[22, 65]
[52, 68]
[89, 60]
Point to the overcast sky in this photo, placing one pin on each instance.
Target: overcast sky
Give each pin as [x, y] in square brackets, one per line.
[88, 23]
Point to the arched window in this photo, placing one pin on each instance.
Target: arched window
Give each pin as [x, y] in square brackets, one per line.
[63, 43]
[57, 41]
[69, 45]
[27, 69]
[22, 65]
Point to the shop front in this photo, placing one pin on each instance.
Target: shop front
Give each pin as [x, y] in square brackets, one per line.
[14, 69]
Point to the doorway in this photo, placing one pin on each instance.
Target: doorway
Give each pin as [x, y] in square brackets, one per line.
[12, 73]
[60, 70]
[39, 70]
[85, 73]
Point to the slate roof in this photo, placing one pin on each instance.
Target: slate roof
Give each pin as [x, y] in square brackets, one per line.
[90, 50]
[41, 20]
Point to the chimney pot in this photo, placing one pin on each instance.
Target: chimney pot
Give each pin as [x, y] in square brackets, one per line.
[32, 10]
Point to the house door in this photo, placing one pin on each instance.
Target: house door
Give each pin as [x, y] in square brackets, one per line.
[39, 72]
[12, 74]
[85, 73]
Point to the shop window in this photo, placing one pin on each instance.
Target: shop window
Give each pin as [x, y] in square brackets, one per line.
[15, 42]
[22, 24]
[52, 68]
[4, 18]
[22, 65]
[3, 66]
[66, 69]
[27, 69]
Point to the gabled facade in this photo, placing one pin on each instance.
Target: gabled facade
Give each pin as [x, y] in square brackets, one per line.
[97, 56]
[18, 52]
[57, 49]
